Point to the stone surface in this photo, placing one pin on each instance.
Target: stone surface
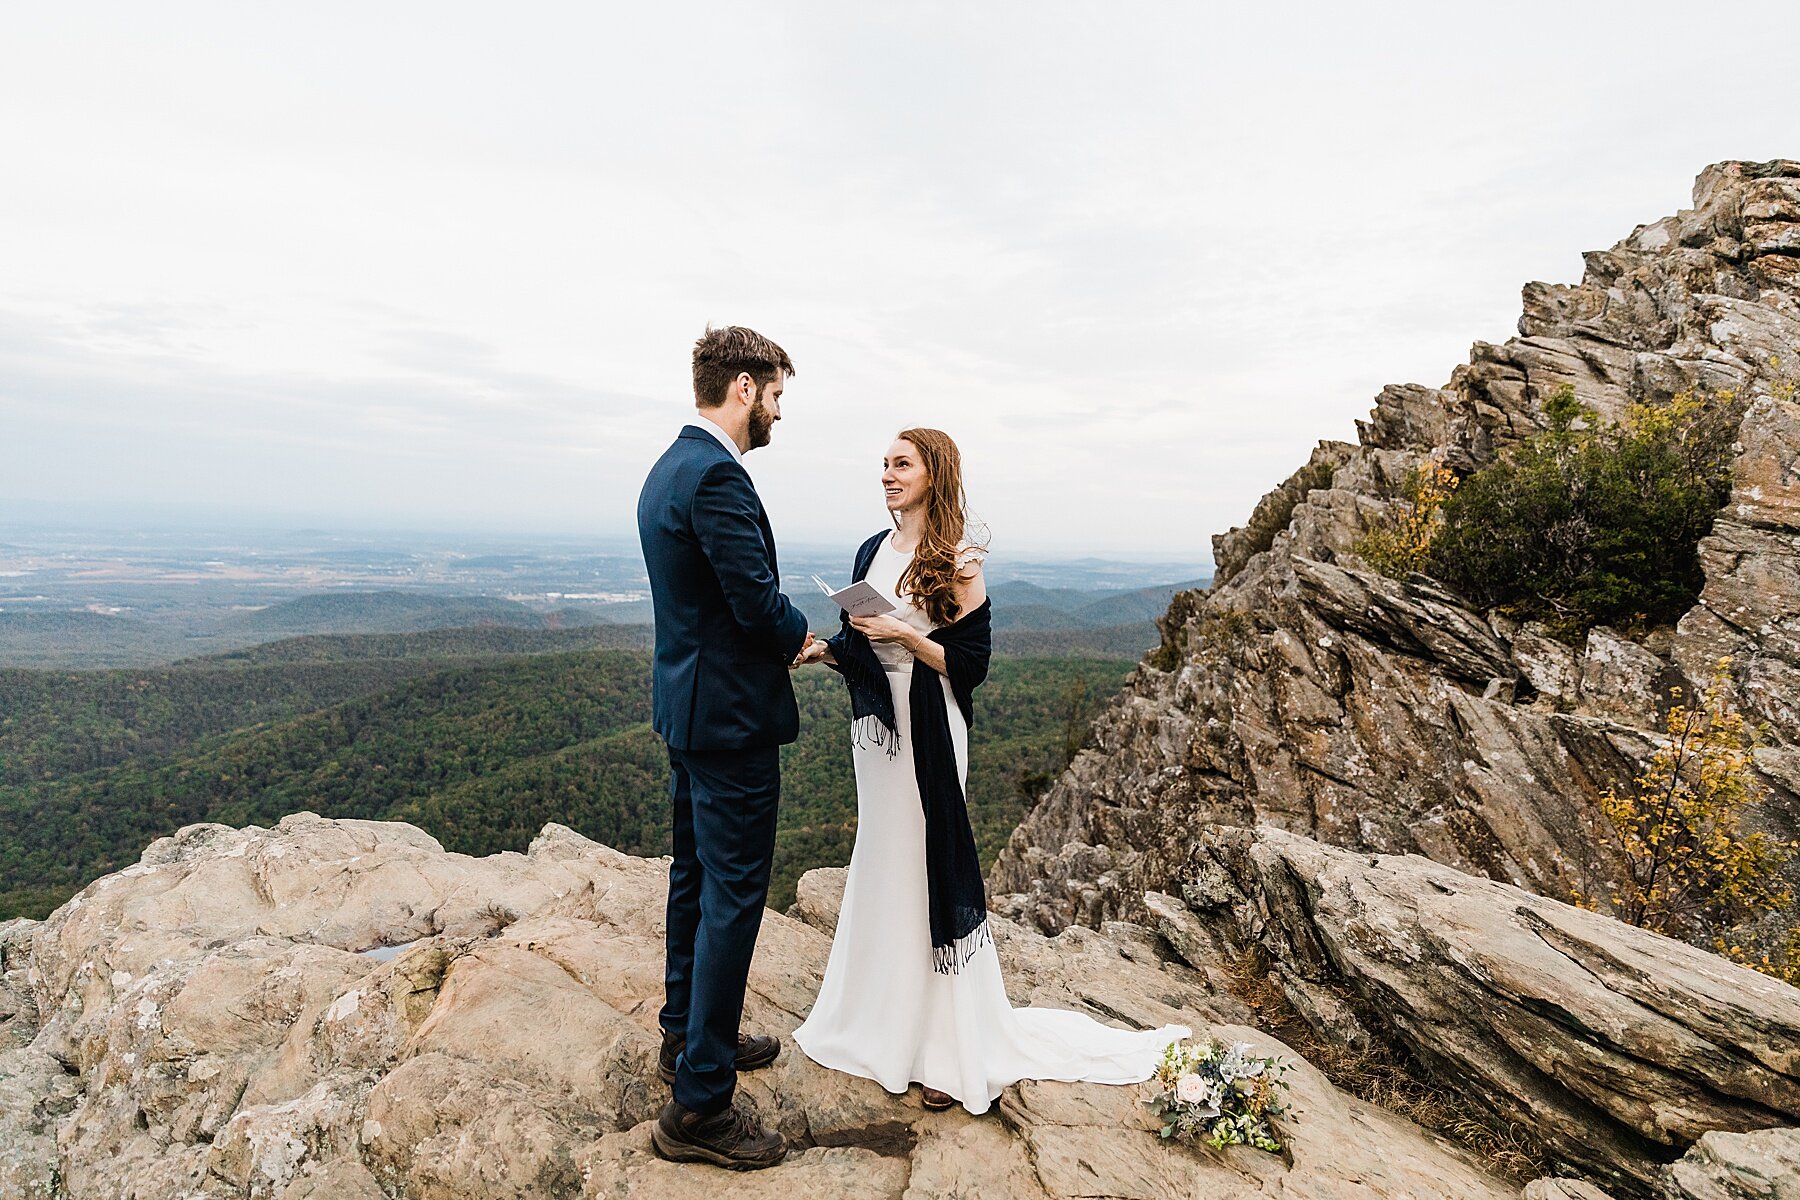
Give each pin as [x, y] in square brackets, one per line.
[18, 1010]
[1072, 1136]
[1305, 690]
[624, 1165]
[343, 1179]
[1621, 681]
[1764, 1165]
[1547, 665]
[1563, 1188]
[1616, 1048]
[35, 1094]
[817, 898]
[340, 1009]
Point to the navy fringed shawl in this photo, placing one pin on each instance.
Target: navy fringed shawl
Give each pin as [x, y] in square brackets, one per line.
[958, 898]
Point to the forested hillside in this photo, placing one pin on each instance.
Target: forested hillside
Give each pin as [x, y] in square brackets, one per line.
[448, 730]
[57, 723]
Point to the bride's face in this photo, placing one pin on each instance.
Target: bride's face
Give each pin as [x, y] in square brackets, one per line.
[903, 476]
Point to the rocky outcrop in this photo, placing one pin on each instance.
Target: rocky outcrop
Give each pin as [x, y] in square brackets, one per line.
[1563, 1188]
[1764, 1165]
[1616, 1048]
[1306, 691]
[339, 1009]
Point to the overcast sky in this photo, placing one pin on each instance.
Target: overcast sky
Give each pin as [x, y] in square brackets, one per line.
[442, 265]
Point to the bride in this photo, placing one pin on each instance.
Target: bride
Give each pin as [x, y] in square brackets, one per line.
[912, 991]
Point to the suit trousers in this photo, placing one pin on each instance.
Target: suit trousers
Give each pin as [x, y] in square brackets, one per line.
[724, 803]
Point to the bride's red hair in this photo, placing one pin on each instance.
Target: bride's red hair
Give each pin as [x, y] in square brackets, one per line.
[931, 576]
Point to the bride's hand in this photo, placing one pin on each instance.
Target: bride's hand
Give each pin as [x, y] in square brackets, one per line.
[815, 651]
[883, 628]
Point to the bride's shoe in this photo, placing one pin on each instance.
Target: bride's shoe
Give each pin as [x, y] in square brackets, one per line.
[935, 1100]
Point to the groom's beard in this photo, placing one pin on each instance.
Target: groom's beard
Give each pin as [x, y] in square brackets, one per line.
[761, 424]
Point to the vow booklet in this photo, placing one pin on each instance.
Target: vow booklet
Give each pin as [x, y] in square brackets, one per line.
[859, 599]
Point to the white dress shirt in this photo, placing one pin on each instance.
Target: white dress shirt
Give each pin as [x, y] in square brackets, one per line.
[724, 438]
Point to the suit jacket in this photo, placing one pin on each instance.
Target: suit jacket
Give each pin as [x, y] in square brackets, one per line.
[724, 632]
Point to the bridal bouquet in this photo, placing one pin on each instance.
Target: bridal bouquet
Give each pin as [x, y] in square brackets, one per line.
[1219, 1093]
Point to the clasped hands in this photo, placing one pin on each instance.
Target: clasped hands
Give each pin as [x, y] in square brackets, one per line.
[883, 628]
[812, 650]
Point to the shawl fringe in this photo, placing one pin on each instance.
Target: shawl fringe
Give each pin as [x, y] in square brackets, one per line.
[871, 731]
[951, 959]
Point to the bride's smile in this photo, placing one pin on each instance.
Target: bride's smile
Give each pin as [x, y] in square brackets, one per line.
[903, 477]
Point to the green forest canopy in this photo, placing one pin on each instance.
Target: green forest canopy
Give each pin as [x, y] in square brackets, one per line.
[479, 750]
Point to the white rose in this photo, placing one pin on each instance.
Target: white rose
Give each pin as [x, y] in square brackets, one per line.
[1190, 1089]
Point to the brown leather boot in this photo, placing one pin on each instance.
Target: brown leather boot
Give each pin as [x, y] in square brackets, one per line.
[731, 1139]
[935, 1100]
[753, 1051]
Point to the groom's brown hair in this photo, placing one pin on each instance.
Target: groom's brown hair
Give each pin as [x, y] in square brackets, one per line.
[722, 354]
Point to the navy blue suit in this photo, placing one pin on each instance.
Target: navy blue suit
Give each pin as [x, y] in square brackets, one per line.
[724, 703]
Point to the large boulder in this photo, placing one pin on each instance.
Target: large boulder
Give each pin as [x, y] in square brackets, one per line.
[1616, 1048]
[341, 1009]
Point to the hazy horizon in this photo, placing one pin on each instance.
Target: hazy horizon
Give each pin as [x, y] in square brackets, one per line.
[28, 519]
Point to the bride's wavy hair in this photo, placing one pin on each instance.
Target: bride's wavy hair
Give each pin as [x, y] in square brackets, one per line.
[931, 576]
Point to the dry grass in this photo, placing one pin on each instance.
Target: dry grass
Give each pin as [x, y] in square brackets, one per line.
[1386, 1077]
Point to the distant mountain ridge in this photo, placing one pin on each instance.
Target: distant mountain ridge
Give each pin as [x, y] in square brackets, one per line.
[1108, 622]
[78, 640]
[1021, 605]
[396, 612]
[461, 642]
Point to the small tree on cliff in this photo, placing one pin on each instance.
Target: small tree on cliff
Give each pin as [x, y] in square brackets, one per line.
[1692, 870]
[1403, 544]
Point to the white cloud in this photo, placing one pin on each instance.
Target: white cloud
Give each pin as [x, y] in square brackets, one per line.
[446, 261]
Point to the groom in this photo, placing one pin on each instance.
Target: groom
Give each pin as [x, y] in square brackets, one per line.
[723, 702]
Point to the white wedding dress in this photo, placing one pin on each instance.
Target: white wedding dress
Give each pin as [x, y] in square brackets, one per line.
[882, 1011]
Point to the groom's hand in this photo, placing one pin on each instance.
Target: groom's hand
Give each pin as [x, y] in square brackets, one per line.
[811, 650]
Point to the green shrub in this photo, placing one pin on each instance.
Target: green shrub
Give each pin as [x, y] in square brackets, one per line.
[1592, 523]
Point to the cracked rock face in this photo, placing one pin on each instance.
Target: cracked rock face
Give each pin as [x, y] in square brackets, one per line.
[1618, 1049]
[340, 1010]
[1306, 691]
